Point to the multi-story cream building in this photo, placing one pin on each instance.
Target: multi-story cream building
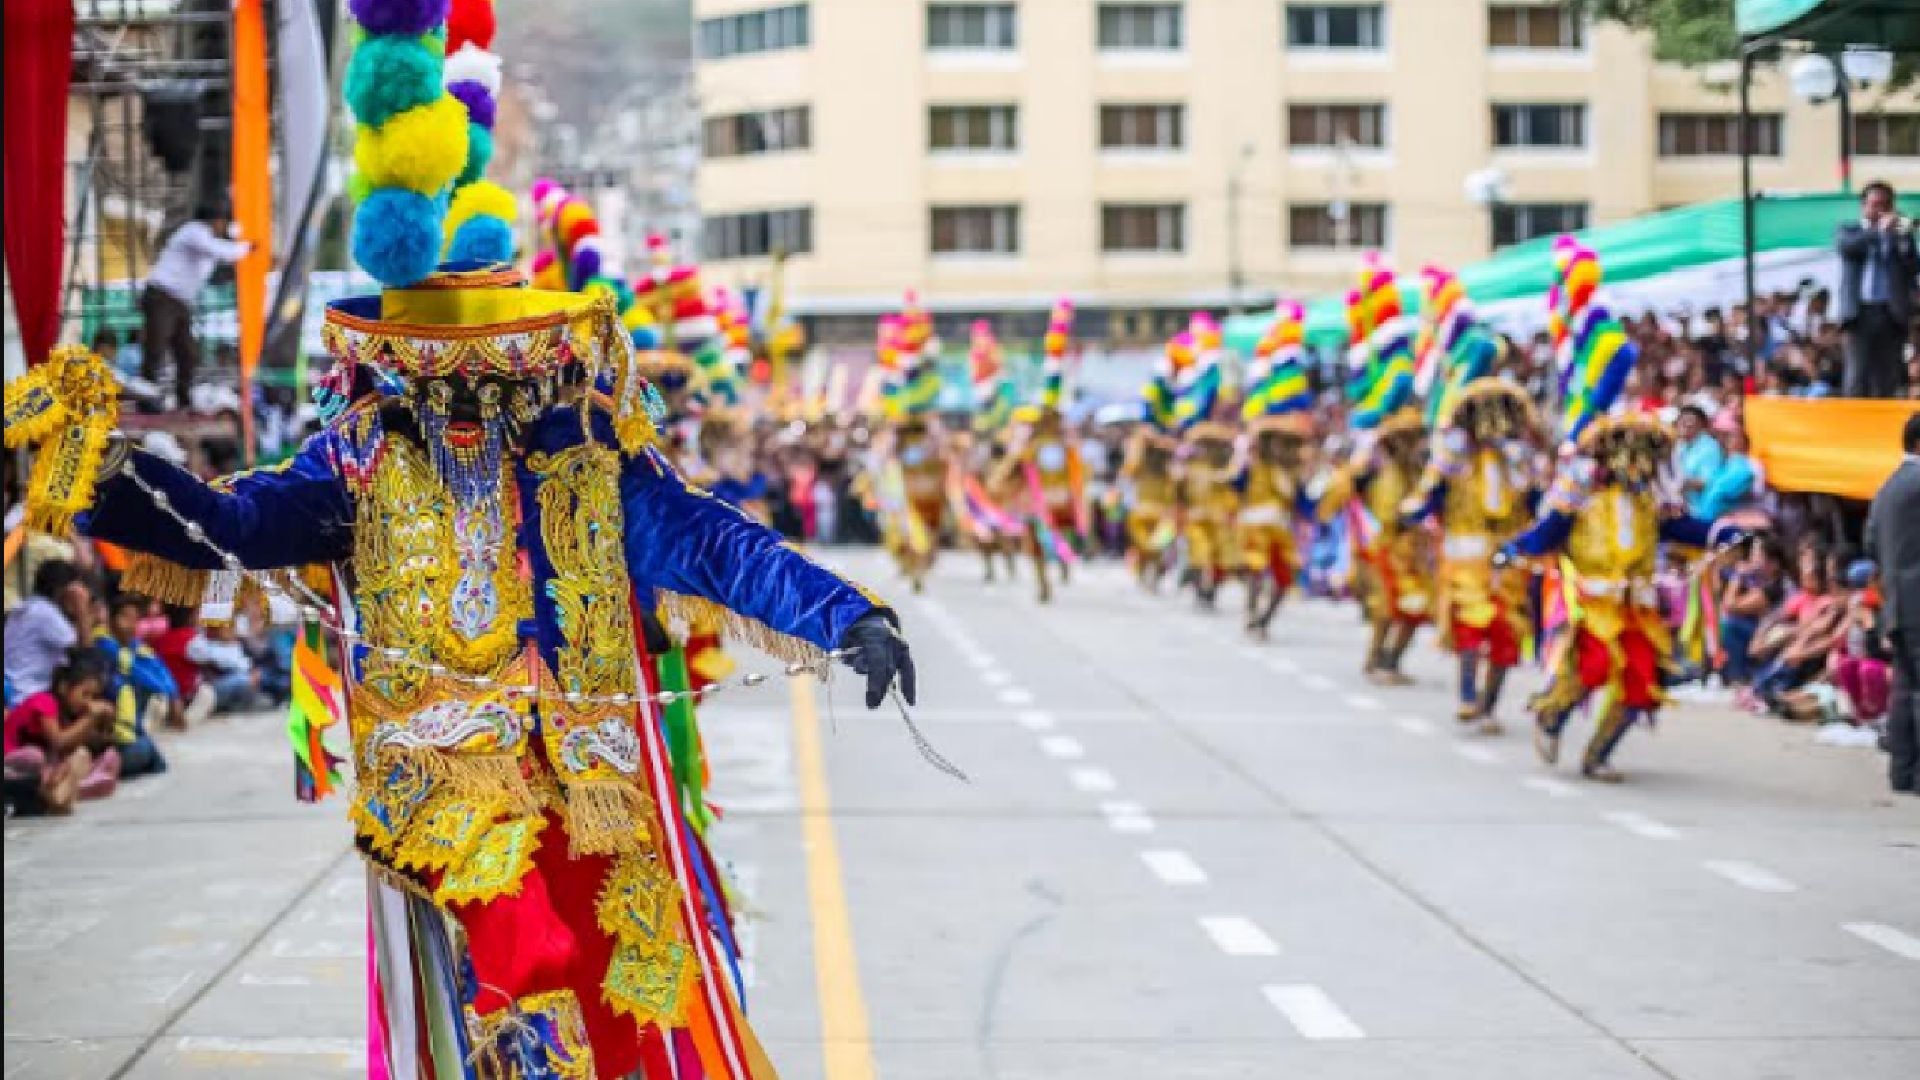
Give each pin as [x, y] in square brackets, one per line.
[1148, 158]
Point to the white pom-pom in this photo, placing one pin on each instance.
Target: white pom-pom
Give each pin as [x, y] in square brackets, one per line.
[474, 64]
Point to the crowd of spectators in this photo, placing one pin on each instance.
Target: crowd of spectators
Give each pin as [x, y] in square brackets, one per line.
[98, 679]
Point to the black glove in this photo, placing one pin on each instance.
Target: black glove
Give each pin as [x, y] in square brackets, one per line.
[879, 653]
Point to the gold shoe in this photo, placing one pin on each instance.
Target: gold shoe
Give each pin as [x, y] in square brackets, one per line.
[1489, 726]
[1602, 772]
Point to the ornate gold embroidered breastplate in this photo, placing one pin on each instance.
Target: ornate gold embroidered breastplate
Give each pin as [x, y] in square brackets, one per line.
[433, 578]
[1487, 498]
[1615, 535]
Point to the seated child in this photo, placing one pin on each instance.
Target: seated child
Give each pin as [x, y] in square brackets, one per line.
[58, 742]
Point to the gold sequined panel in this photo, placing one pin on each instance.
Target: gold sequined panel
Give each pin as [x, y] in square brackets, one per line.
[407, 565]
[652, 984]
[1488, 497]
[581, 525]
[496, 864]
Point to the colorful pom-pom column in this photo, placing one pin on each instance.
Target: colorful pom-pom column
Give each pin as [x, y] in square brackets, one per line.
[479, 226]
[412, 140]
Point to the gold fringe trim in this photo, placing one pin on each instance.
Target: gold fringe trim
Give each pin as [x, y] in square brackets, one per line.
[733, 626]
[163, 580]
[606, 817]
[474, 777]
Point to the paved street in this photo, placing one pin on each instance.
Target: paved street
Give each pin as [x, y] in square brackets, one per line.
[1180, 856]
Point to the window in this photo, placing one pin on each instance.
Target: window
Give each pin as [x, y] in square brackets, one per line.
[976, 230]
[1336, 26]
[754, 32]
[1716, 134]
[1535, 26]
[1335, 225]
[1143, 227]
[1561, 126]
[1333, 125]
[1141, 26]
[766, 132]
[759, 233]
[1887, 135]
[971, 26]
[1515, 223]
[973, 127]
[1143, 127]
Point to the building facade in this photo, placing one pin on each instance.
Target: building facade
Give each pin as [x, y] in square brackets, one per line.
[1148, 158]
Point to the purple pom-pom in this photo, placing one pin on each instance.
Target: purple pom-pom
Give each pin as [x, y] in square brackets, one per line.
[479, 103]
[398, 16]
[586, 263]
[396, 236]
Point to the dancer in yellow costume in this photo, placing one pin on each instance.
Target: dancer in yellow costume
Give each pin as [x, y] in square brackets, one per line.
[1152, 500]
[1393, 564]
[1481, 484]
[1276, 455]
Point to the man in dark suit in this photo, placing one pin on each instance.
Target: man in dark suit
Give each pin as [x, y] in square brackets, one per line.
[1879, 270]
[1893, 541]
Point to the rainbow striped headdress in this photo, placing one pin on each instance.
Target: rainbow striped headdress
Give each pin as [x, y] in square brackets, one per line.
[992, 393]
[910, 380]
[1194, 360]
[1381, 381]
[1453, 348]
[1590, 346]
[1053, 368]
[1277, 381]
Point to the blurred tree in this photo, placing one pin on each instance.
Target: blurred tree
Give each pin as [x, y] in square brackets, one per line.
[1695, 32]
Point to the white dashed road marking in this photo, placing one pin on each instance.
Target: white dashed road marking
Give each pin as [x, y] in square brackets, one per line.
[1312, 1013]
[1064, 747]
[1747, 875]
[1035, 720]
[1547, 785]
[1362, 702]
[1090, 778]
[1236, 936]
[1413, 725]
[1316, 682]
[1013, 695]
[1174, 867]
[1641, 825]
[1126, 817]
[1479, 755]
[995, 677]
[1898, 942]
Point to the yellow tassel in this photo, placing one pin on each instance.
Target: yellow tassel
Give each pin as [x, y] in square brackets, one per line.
[167, 582]
[606, 817]
[733, 626]
[67, 409]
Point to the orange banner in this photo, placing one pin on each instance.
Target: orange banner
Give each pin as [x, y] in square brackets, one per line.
[252, 195]
[1832, 446]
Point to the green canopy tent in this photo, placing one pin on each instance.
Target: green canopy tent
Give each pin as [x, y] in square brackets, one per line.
[1638, 257]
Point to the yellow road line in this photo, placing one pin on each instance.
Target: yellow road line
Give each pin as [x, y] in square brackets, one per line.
[846, 1045]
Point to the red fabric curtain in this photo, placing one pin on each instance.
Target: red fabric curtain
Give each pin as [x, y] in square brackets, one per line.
[38, 59]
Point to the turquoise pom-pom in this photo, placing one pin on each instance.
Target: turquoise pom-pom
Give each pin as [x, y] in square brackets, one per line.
[389, 75]
[479, 154]
[482, 239]
[396, 236]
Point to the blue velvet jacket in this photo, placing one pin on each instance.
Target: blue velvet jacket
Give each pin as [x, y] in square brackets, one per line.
[466, 605]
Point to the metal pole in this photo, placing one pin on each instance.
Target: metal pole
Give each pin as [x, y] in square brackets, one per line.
[1846, 127]
[1748, 211]
[1233, 240]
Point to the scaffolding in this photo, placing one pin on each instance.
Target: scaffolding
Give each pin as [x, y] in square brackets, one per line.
[147, 141]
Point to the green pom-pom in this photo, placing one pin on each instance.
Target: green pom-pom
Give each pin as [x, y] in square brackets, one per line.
[479, 154]
[357, 187]
[389, 75]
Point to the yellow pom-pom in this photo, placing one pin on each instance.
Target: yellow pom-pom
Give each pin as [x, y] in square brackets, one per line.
[551, 277]
[482, 197]
[636, 317]
[572, 214]
[421, 149]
